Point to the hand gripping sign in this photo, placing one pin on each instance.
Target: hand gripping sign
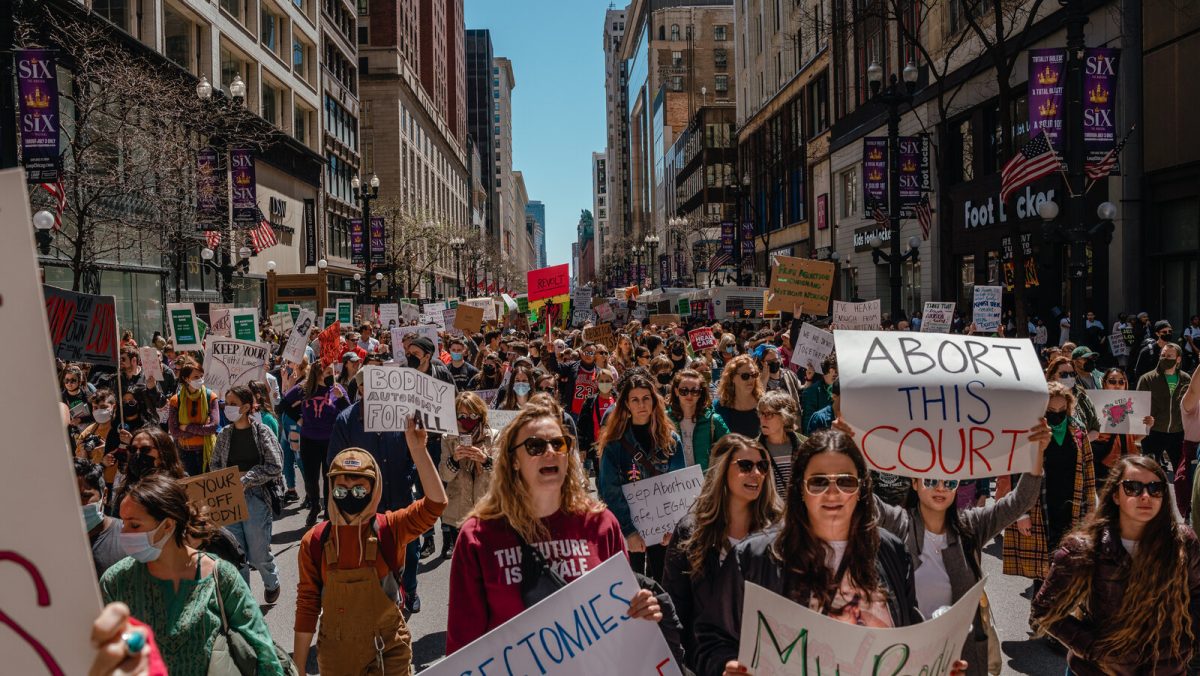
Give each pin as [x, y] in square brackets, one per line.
[939, 405]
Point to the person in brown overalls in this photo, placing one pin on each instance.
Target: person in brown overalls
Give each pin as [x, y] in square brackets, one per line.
[346, 561]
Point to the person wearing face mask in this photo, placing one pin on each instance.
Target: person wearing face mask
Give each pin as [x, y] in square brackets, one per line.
[515, 395]
[1166, 385]
[172, 586]
[466, 465]
[321, 400]
[461, 370]
[134, 414]
[678, 355]
[1148, 351]
[1083, 358]
[193, 417]
[660, 368]
[103, 441]
[576, 379]
[351, 362]
[773, 375]
[250, 446]
[104, 532]
[1061, 369]
[591, 417]
[150, 450]
[490, 375]
[347, 566]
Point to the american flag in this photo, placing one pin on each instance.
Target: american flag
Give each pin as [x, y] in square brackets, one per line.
[880, 216]
[263, 237]
[721, 258]
[213, 239]
[59, 193]
[1035, 160]
[1098, 170]
[924, 216]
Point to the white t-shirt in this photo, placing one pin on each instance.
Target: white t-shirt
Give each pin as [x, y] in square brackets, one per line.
[1064, 331]
[687, 430]
[835, 557]
[1129, 545]
[1192, 332]
[931, 579]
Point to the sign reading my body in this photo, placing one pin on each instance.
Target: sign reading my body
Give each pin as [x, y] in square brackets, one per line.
[404, 390]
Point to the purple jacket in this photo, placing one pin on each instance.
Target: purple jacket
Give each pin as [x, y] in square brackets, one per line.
[319, 411]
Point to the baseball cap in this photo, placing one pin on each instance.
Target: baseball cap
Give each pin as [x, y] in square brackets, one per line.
[353, 461]
[1082, 352]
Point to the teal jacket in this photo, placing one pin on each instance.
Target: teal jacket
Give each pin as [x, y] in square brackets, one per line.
[816, 397]
[710, 427]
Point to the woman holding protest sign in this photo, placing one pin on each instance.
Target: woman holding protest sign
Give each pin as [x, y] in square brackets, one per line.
[738, 394]
[738, 499]
[75, 394]
[699, 427]
[466, 465]
[193, 417]
[320, 400]
[1123, 593]
[1107, 449]
[638, 441]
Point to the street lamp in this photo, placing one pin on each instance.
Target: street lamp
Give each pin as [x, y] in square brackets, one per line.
[456, 245]
[204, 89]
[226, 268]
[1078, 235]
[43, 225]
[652, 241]
[638, 274]
[237, 88]
[892, 96]
[365, 197]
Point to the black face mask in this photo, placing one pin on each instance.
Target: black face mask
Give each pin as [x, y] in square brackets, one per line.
[351, 505]
[1089, 365]
[664, 378]
[414, 362]
[677, 350]
[140, 465]
[773, 367]
[328, 381]
[1166, 335]
[489, 369]
[1055, 418]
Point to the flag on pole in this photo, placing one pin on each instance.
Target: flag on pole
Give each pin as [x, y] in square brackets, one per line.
[213, 239]
[263, 237]
[924, 216]
[59, 193]
[880, 216]
[1102, 168]
[1035, 160]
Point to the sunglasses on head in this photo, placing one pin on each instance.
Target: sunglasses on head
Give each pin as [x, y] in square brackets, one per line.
[1135, 488]
[948, 484]
[340, 492]
[536, 446]
[747, 375]
[746, 466]
[817, 484]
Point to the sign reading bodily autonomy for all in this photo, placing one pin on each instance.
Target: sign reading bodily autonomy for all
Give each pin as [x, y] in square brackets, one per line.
[229, 362]
[940, 405]
[579, 630]
[391, 395]
[658, 503]
[83, 327]
[783, 638]
[800, 285]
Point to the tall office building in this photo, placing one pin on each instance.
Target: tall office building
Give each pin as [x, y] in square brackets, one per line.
[535, 210]
[511, 212]
[480, 123]
[616, 150]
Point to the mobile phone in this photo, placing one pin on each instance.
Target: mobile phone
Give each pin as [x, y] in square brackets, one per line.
[465, 440]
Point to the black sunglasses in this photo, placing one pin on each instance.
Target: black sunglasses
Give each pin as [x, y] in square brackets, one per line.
[143, 449]
[1114, 381]
[1135, 488]
[747, 375]
[536, 446]
[746, 466]
[691, 392]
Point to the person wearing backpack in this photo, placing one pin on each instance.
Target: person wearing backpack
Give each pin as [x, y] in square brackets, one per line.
[345, 562]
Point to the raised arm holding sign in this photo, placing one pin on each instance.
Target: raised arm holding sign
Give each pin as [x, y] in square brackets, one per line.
[391, 395]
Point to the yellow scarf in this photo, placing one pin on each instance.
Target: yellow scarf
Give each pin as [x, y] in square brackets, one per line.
[193, 408]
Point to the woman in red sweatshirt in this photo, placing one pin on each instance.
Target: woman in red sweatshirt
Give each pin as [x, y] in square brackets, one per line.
[536, 501]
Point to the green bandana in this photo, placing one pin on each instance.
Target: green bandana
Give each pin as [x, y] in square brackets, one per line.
[1059, 431]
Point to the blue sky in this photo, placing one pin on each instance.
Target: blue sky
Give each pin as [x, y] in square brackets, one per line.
[558, 104]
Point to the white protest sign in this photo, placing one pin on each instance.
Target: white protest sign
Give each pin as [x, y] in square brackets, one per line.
[939, 405]
[1116, 341]
[498, 419]
[813, 345]
[427, 330]
[937, 317]
[151, 362]
[856, 316]
[433, 308]
[48, 588]
[485, 304]
[391, 395]
[986, 312]
[509, 304]
[580, 630]
[281, 323]
[229, 362]
[658, 503]
[605, 312]
[1121, 411]
[581, 317]
[410, 312]
[220, 322]
[294, 350]
[783, 638]
[389, 315]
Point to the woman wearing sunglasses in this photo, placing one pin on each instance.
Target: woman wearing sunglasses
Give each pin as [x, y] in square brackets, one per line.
[466, 465]
[699, 427]
[828, 555]
[151, 450]
[638, 441]
[738, 394]
[1107, 449]
[1123, 594]
[738, 499]
[537, 520]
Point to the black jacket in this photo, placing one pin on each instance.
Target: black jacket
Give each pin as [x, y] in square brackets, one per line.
[718, 625]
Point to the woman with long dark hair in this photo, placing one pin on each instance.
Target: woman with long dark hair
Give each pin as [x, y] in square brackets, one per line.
[1107, 449]
[738, 499]
[150, 450]
[698, 425]
[193, 417]
[1123, 594]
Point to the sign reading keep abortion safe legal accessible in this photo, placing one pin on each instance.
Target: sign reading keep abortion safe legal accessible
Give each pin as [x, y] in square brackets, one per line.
[941, 405]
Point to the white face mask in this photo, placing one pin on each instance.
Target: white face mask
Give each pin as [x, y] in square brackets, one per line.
[233, 413]
[141, 547]
[102, 415]
[196, 383]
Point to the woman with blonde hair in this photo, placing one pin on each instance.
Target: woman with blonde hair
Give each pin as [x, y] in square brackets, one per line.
[466, 465]
[535, 530]
[738, 394]
[738, 499]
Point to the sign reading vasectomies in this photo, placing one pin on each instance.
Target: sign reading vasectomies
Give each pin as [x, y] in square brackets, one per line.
[940, 405]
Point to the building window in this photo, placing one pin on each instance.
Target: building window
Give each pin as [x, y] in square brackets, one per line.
[676, 59]
[720, 59]
[848, 181]
[269, 30]
[722, 84]
[300, 124]
[236, 9]
[674, 31]
[676, 83]
[231, 67]
[364, 7]
[719, 33]
[272, 104]
[177, 39]
[363, 35]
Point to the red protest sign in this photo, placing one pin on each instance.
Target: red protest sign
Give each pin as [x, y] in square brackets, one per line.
[331, 344]
[702, 339]
[549, 282]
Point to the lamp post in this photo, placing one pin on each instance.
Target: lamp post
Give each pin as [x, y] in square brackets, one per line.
[43, 231]
[892, 96]
[456, 245]
[364, 198]
[226, 268]
[638, 277]
[652, 241]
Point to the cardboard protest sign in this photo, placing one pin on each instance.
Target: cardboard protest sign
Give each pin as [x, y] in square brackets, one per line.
[410, 313]
[939, 405]
[391, 395]
[800, 284]
[389, 314]
[185, 332]
[813, 345]
[221, 491]
[151, 362]
[702, 339]
[664, 320]
[48, 588]
[856, 316]
[83, 327]
[1121, 411]
[602, 334]
[345, 312]
[468, 318]
[427, 330]
[298, 340]
[330, 341]
[937, 317]
[282, 323]
[328, 317]
[658, 503]
[780, 637]
[987, 306]
[769, 314]
[549, 282]
[604, 312]
[498, 419]
[579, 630]
[229, 362]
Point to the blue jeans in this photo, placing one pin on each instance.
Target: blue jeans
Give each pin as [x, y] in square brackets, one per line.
[254, 536]
[412, 560]
[291, 453]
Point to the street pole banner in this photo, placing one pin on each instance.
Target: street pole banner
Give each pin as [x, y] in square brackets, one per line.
[298, 340]
[378, 241]
[151, 362]
[49, 593]
[986, 308]
[245, 193]
[658, 503]
[83, 327]
[310, 232]
[389, 315]
[1100, 68]
[937, 317]
[221, 491]
[1046, 109]
[813, 345]
[702, 339]
[914, 170]
[875, 172]
[37, 83]
[184, 325]
[549, 282]
[856, 316]
[210, 190]
[229, 362]
[801, 285]
[430, 331]
[939, 405]
[747, 240]
[1121, 411]
[782, 638]
[391, 395]
[579, 630]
